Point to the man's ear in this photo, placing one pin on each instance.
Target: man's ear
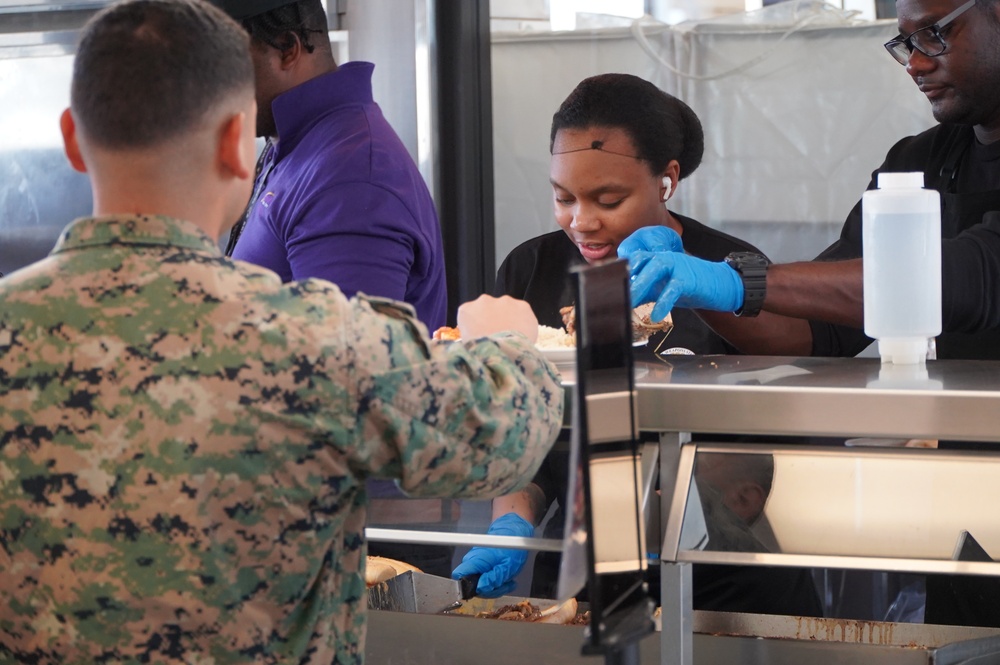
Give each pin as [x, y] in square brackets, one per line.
[70, 145]
[291, 55]
[233, 157]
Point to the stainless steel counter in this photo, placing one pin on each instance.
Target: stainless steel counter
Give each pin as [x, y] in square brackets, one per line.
[840, 397]
[395, 638]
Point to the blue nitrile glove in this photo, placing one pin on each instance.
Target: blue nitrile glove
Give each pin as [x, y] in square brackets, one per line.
[651, 239]
[498, 566]
[671, 278]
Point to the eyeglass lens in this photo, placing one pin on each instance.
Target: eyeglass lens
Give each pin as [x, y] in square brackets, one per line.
[926, 40]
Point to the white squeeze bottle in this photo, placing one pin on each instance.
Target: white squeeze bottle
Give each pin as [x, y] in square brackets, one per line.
[901, 241]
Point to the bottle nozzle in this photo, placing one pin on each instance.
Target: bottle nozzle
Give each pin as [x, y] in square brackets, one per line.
[903, 350]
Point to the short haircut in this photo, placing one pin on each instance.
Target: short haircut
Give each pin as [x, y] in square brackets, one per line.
[661, 126]
[147, 71]
[276, 27]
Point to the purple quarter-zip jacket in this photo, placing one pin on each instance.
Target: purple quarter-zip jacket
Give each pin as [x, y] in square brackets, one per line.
[343, 200]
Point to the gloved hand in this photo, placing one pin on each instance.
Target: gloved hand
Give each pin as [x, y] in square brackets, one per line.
[669, 277]
[498, 567]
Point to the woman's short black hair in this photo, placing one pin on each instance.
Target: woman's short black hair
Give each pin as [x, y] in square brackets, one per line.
[276, 27]
[661, 126]
[147, 71]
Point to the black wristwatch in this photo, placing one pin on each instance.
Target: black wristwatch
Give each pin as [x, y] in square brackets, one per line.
[753, 271]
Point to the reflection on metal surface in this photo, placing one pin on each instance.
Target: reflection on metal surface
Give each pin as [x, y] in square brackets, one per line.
[882, 564]
[374, 534]
[612, 478]
[819, 373]
[680, 499]
[913, 636]
[896, 509]
[610, 416]
[838, 397]
[905, 377]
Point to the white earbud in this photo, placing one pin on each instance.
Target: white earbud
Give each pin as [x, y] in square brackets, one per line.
[669, 186]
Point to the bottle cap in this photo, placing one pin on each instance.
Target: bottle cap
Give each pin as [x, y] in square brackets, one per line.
[905, 377]
[901, 180]
[903, 350]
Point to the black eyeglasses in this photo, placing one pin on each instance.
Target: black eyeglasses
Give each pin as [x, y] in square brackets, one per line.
[926, 40]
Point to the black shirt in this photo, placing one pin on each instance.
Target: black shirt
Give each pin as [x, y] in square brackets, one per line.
[967, 174]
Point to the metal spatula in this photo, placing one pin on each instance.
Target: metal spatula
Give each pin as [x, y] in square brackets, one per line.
[421, 593]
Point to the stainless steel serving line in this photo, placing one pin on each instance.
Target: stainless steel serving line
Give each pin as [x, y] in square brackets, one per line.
[839, 397]
[396, 638]
[897, 491]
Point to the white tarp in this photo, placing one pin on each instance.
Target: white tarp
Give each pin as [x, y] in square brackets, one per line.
[799, 102]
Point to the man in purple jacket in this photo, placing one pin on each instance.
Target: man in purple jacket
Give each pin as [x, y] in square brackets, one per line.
[337, 196]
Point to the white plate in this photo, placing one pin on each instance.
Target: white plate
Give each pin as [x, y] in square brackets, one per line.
[561, 357]
[565, 356]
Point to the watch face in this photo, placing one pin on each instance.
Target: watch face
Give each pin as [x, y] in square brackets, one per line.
[746, 260]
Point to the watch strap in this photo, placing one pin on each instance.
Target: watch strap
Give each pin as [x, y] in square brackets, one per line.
[752, 269]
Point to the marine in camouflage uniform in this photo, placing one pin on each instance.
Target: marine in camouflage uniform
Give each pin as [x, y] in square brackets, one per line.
[184, 442]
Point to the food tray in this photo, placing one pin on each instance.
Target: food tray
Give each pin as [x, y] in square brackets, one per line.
[396, 638]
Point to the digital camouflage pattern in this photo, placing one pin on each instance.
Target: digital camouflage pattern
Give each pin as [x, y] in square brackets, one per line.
[184, 442]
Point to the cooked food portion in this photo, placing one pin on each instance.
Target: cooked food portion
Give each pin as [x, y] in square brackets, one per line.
[379, 569]
[562, 613]
[548, 337]
[554, 338]
[446, 333]
[642, 325]
[568, 315]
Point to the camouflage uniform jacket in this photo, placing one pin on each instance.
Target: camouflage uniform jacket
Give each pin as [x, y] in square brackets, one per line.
[184, 442]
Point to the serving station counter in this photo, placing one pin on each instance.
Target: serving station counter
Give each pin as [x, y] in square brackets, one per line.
[860, 475]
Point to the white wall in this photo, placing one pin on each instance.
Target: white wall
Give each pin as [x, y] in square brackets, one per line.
[384, 33]
[790, 141]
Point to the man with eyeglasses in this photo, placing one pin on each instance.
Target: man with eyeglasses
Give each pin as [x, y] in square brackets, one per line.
[952, 51]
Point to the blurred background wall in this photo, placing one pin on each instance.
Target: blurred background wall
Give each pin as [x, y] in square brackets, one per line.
[799, 102]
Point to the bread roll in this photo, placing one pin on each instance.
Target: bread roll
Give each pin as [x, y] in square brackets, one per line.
[562, 613]
[379, 569]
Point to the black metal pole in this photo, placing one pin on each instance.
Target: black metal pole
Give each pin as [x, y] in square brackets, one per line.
[465, 147]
